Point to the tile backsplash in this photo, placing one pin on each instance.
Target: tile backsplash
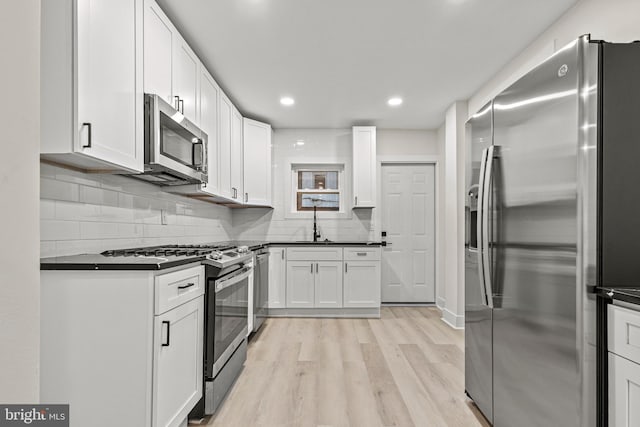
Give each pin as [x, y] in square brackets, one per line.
[89, 213]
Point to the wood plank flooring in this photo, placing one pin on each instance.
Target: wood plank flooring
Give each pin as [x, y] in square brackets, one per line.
[404, 369]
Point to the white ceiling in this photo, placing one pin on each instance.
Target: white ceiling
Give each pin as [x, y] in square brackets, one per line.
[342, 59]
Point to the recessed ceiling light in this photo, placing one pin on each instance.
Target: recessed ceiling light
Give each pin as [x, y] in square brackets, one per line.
[394, 102]
[300, 142]
[287, 101]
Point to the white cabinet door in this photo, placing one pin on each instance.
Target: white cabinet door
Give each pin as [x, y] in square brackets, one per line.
[300, 284]
[236, 157]
[362, 283]
[209, 94]
[328, 284]
[110, 98]
[224, 164]
[277, 278]
[186, 70]
[364, 166]
[177, 371]
[158, 52]
[624, 392]
[257, 162]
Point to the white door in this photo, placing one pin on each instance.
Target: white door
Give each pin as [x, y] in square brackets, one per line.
[225, 112]
[178, 347]
[110, 99]
[209, 92]
[408, 218]
[300, 290]
[328, 284]
[277, 278]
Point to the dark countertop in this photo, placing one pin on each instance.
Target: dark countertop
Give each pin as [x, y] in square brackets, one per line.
[134, 262]
[300, 243]
[631, 295]
[100, 262]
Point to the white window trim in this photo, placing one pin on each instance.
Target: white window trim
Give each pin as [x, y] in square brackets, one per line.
[344, 188]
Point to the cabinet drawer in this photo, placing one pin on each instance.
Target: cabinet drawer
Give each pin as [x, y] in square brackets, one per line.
[178, 287]
[623, 336]
[362, 254]
[314, 254]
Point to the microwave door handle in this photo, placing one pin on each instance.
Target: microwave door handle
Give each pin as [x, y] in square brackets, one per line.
[197, 166]
[479, 229]
[486, 194]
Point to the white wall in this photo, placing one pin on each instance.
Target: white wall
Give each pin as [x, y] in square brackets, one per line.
[610, 20]
[400, 142]
[454, 140]
[19, 268]
[330, 146]
[89, 213]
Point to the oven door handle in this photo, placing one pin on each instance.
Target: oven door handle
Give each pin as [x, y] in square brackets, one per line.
[230, 281]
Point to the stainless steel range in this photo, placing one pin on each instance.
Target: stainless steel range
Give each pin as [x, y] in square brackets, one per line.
[227, 274]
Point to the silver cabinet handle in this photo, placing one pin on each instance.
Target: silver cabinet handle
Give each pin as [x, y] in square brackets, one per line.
[246, 197]
[88, 125]
[283, 254]
[317, 268]
[356, 201]
[176, 102]
[311, 268]
[361, 253]
[346, 269]
[168, 341]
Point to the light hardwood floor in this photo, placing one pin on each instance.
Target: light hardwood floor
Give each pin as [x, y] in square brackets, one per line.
[405, 369]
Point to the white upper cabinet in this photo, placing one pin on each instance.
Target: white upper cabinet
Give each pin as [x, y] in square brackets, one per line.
[224, 165]
[171, 68]
[237, 169]
[364, 166]
[209, 98]
[91, 110]
[257, 163]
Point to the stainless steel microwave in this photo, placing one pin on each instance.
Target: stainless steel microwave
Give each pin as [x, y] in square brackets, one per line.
[175, 150]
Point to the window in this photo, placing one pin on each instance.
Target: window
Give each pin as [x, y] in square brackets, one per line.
[317, 186]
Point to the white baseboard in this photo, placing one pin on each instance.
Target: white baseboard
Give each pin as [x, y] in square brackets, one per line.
[440, 303]
[452, 319]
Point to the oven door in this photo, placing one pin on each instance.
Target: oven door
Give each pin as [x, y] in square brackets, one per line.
[231, 309]
[173, 145]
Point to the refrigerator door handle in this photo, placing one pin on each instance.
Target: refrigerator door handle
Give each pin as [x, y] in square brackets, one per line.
[479, 229]
[486, 249]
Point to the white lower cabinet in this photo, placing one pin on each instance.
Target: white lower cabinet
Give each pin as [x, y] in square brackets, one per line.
[328, 284]
[131, 341]
[177, 362]
[362, 283]
[624, 392]
[300, 284]
[277, 278]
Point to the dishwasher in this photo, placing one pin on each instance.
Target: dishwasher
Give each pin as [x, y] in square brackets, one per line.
[260, 287]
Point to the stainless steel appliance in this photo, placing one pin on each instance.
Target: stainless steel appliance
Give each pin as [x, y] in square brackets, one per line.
[226, 319]
[175, 150]
[260, 287]
[552, 194]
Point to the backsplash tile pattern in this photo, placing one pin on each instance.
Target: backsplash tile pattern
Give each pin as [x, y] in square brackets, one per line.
[89, 213]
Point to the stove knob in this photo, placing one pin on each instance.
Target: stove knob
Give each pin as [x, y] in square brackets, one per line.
[215, 255]
[242, 249]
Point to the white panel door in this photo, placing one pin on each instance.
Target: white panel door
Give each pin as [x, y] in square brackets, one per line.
[362, 283]
[300, 279]
[209, 93]
[257, 162]
[110, 98]
[178, 351]
[224, 164]
[277, 278]
[328, 284]
[624, 392]
[158, 52]
[237, 162]
[408, 217]
[186, 75]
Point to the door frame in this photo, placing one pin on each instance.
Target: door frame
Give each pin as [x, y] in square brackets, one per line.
[400, 160]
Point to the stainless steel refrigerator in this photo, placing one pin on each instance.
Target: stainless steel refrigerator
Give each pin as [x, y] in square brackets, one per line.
[548, 163]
